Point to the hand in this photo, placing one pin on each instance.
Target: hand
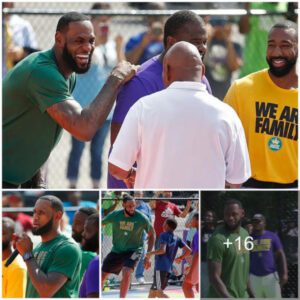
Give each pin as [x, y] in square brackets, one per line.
[124, 71]
[16, 53]
[283, 280]
[147, 38]
[129, 181]
[147, 263]
[24, 244]
[178, 260]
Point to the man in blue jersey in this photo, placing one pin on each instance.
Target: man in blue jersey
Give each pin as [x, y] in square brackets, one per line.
[164, 257]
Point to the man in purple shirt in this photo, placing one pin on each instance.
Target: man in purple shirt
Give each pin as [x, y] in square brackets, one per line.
[90, 242]
[182, 26]
[192, 278]
[265, 256]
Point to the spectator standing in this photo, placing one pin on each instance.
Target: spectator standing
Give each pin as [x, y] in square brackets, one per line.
[147, 44]
[14, 276]
[146, 210]
[223, 56]
[208, 228]
[19, 37]
[265, 277]
[90, 285]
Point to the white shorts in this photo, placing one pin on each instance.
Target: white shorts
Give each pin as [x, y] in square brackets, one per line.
[266, 286]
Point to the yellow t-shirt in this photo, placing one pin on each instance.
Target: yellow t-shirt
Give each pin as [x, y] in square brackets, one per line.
[14, 279]
[269, 115]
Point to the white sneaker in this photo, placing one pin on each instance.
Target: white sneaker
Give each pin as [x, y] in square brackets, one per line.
[141, 280]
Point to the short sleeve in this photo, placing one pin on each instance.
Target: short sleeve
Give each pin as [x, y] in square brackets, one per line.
[215, 249]
[109, 218]
[66, 260]
[46, 87]
[163, 239]
[126, 148]
[92, 277]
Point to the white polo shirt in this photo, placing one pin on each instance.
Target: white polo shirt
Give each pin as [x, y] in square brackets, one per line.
[182, 137]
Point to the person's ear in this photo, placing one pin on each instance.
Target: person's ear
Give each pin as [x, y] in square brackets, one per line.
[170, 42]
[58, 215]
[243, 213]
[59, 39]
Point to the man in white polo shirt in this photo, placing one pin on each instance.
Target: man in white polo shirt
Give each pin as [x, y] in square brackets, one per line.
[181, 137]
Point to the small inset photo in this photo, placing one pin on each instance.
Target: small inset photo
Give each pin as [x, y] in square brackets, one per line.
[249, 244]
[50, 244]
[150, 244]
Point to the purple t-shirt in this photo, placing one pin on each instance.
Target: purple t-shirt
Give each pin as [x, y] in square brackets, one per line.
[195, 243]
[148, 80]
[262, 260]
[90, 283]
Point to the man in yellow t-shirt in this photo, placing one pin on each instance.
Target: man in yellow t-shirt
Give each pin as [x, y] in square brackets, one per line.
[267, 104]
[14, 276]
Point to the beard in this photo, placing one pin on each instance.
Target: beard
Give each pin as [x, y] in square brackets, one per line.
[70, 61]
[91, 244]
[43, 229]
[129, 213]
[233, 227]
[77, 237]
[284, 70]
[5, 245]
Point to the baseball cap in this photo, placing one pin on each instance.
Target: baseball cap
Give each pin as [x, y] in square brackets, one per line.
[258, 217]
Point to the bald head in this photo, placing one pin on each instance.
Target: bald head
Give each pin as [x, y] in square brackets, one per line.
[8, 224]
[182, 62]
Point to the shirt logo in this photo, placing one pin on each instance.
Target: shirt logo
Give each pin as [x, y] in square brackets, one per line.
[275, 143]
[128, 226]
[167, 213]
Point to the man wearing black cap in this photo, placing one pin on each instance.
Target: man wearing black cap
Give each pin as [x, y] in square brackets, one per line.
[266, 255]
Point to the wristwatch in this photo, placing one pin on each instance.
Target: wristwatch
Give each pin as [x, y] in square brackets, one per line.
[27, 256]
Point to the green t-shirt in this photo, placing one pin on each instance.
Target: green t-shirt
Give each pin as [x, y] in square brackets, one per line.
[127, 231]
[60, 255]
[235, 261]
[87, 256]
[29, 133]
[254, 56]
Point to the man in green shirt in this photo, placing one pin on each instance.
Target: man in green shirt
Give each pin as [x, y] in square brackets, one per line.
[128, 226]
[228, 256]
[37, 101]
[53, 266]
[80, 218]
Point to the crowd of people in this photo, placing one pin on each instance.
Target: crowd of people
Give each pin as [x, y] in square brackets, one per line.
[183, 52]
[133, 234]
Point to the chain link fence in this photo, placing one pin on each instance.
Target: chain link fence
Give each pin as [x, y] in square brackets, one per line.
[280, 209]
[127, 20]
[178, 198]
